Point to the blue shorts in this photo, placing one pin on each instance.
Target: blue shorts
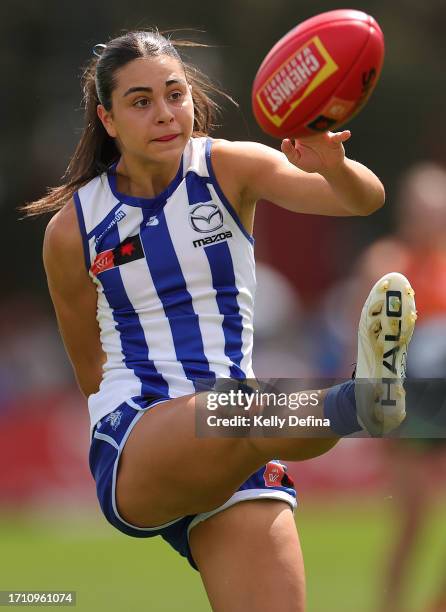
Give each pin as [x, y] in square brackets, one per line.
[109, 437]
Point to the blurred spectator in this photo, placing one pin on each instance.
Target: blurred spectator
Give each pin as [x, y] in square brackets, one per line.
[418, 247]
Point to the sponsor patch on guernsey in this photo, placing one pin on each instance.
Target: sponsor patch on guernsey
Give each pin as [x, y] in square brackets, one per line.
[129, 250]
[120, 214]
[200, 242]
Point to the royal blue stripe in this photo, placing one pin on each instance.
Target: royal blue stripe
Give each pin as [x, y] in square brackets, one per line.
[83, 229]
[220, 193]
[197, 189]
[172, 291]
[100, 227]
[133, 341]
[223, 281]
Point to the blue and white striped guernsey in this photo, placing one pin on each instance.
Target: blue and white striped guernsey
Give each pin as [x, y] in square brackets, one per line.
[175, 279]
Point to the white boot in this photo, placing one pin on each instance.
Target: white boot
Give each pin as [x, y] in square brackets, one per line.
[385, 329]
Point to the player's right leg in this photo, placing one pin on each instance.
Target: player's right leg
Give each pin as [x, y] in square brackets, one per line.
[167, 471]
[385, 329]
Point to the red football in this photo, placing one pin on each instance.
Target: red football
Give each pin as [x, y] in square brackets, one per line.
[318, 75]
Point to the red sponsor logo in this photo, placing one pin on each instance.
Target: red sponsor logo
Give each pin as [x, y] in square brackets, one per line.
[273, 474]
[296, 78]
[127, 249]
[103, 261]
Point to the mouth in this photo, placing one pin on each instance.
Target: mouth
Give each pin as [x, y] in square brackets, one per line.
[167, 138]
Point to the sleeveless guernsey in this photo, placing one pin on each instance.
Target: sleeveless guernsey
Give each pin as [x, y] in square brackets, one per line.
[175, 280]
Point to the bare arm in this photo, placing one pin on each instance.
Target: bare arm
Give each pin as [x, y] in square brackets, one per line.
[312, 176]
[74, 298]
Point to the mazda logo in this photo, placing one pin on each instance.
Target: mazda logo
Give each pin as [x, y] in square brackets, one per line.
[206, 218]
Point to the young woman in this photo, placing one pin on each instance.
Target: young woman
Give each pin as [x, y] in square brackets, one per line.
[150, 267]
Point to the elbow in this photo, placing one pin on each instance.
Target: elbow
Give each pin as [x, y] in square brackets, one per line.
[89, 378]
[376, 200]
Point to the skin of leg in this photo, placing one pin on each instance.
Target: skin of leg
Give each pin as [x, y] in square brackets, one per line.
[166, 471]
[249, 558]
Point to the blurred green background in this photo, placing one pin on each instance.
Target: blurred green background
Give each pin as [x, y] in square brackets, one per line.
[343, 546]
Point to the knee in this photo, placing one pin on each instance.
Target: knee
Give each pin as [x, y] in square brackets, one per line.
[308, 448]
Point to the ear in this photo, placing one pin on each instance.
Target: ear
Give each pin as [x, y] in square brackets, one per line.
[106, 118]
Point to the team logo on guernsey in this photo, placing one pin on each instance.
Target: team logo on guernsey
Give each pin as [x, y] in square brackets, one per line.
[206, 218]
[153, 221]
[129, 250]
[114, 418]
[275, 475]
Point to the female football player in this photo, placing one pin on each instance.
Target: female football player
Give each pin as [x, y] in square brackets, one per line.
[150, 266]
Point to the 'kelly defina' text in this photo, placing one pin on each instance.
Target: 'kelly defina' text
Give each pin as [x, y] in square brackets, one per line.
[273, 421]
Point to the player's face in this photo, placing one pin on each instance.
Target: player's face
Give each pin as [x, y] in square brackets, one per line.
[152, 111]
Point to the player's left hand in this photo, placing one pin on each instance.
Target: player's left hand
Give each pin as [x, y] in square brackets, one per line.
[321, 153]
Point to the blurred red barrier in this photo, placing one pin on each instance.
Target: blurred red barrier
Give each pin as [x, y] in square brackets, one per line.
[44, 450]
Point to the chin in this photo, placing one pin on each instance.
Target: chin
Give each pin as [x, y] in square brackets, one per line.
[167, 149]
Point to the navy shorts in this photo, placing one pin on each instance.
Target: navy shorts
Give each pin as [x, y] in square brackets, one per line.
[108, 439]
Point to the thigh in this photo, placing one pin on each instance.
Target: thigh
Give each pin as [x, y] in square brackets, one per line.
[249, 558]
[165, 471]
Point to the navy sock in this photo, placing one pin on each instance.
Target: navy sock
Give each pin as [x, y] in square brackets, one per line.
[340, 408]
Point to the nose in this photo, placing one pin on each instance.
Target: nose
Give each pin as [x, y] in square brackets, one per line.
[163, 113]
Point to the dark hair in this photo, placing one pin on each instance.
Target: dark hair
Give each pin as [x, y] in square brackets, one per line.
[96, 150]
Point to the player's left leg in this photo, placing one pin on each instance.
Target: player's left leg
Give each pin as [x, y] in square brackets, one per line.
[249, 558]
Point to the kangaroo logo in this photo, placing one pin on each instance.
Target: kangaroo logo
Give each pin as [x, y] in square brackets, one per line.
[205, 218]
[153, 221]
[114, 418]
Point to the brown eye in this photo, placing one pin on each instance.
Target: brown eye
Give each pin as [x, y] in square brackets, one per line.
[141, 103]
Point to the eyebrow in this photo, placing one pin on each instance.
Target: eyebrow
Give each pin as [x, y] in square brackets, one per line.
[150, 90]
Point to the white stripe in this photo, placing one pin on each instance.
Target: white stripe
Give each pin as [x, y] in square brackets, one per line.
[133, 404]
[140, 288]
[245, 495]
[197, 275]
[106, 438]
[242, 254]
[103, 199]
[195, 157]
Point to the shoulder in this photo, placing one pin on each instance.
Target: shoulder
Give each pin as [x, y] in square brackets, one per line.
[63, 228]
[243, 162]
[237, 152]
[62, 244]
